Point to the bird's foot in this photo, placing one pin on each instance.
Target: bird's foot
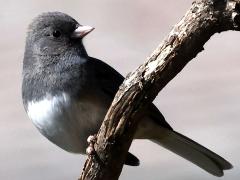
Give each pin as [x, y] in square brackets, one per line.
[91, 141]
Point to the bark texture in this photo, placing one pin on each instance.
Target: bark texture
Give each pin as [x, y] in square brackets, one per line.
[184, 42]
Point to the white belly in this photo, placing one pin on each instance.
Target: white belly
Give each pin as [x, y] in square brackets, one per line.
[65, 122]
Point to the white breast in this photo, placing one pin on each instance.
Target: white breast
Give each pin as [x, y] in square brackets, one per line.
[65, 122]
[41, 112]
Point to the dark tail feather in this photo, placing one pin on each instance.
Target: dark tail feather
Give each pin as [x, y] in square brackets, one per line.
[132, 160]
[194, 152]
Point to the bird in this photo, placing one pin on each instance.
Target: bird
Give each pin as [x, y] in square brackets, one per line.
[66, 93]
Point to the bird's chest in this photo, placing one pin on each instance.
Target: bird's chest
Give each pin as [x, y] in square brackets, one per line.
[66, 121]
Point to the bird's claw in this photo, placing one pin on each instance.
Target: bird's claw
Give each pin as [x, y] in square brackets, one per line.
[91, 141]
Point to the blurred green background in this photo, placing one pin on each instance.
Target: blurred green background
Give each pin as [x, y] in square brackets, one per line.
[202, 102]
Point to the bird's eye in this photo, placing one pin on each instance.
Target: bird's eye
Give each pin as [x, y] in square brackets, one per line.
[56, 34]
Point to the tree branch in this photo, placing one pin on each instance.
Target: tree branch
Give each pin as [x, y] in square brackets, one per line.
[184, 42]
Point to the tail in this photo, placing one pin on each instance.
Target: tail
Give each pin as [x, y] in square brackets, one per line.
[194, 152]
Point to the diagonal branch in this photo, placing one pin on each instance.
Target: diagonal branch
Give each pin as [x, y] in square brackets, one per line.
[184, 42]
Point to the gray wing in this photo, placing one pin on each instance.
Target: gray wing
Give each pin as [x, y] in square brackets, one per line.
[109, 80]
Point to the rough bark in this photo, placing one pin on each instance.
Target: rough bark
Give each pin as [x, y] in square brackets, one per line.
[184, 42]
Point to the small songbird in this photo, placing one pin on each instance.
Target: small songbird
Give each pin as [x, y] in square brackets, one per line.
[66, 93]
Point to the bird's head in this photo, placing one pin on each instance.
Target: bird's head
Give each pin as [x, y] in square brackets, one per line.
[54, 33]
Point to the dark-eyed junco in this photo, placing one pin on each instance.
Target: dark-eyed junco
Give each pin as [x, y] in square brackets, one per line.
[66, 93]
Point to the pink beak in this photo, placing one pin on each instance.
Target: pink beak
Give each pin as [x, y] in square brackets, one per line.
[82, 31]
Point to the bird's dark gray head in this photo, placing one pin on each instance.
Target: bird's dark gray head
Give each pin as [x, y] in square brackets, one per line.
[53, 33]
[53, 54]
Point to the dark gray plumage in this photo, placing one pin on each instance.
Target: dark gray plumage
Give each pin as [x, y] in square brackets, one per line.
[66, 94]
